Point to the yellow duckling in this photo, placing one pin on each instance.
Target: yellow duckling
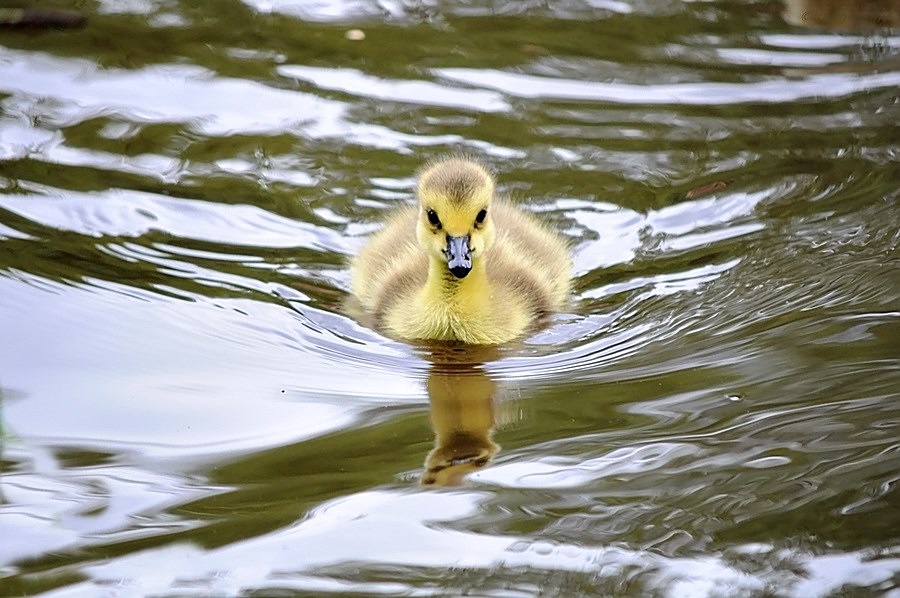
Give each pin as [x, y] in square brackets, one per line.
[463, 264]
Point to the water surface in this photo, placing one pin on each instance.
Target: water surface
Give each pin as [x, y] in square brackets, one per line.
[187, 409]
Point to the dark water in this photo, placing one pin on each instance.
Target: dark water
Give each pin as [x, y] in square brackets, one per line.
[187, 411]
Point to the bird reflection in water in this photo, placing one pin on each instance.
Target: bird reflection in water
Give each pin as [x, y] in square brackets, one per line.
[462, 397]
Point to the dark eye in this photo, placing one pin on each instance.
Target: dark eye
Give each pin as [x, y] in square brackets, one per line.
[433, 218]
[481, 216]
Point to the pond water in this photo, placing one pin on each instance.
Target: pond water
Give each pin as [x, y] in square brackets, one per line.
[188, 410]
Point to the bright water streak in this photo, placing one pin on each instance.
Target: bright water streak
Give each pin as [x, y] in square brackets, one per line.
[188, 410]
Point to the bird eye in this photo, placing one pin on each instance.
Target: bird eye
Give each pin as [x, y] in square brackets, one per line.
[433, 218]
[481, 216]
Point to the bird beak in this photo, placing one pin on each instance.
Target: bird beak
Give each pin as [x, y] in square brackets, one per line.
[459, 256]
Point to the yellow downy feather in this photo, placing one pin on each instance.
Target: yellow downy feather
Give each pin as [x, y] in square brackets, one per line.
[462, 265]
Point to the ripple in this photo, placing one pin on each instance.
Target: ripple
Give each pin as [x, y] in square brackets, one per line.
[822, 41]
[64, 508]
[422, 93]
[356, 534]
[170, 92]
[240, 403]
[560, 472]
[7, 232]
[130, 213]
[331, 10]
[696, 94]
[81, 91]
[183, 392]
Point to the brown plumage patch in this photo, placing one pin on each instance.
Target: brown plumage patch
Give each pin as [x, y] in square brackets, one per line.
[522, 283]
[457, 180]
[401, 283]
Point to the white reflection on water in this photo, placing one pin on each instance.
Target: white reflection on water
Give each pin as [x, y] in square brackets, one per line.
[186, 350]
[7, 232]
[216, 376]
[126, 212]
[330, 10]
[415, 92]
[390, 529]
[209, 104]
[699, 94]
[58, 508]
[771, 58]
[813, 41]
[612, 235]
[213, 105]
[562, 472]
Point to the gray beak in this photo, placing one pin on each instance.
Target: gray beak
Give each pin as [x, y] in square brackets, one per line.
[459, 256]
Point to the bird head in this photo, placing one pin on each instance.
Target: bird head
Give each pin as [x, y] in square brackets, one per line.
[454, 224]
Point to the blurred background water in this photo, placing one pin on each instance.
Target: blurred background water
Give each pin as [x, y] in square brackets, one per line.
[186, 409]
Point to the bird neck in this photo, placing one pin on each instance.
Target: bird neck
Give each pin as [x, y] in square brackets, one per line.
[459, 293]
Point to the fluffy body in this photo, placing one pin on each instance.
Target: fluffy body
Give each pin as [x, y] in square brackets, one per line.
[519, 269]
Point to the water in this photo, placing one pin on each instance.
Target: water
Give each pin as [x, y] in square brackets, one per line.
[187, 409]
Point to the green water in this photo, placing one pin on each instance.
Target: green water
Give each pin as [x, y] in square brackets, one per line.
[187, 410]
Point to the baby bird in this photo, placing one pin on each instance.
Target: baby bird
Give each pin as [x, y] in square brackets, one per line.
[462, 265]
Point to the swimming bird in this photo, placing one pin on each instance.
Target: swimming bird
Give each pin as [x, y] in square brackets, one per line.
[461, 265]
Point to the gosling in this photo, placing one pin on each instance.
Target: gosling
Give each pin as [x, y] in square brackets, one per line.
[463, 265]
